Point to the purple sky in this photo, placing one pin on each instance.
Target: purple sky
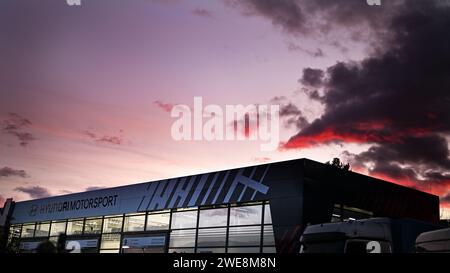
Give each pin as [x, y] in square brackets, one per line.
[79, 85]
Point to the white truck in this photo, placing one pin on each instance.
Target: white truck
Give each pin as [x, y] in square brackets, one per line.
[373, 235]
[436, 241]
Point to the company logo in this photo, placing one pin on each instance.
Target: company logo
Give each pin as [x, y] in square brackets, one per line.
[33, 210]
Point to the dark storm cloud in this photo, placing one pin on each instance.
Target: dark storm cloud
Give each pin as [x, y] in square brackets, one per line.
[320, 16]
[14, 125]
[284, 13]
[396, 99]
[290, 113]
[34, 191]
[7, 172]
[312, 77]
[313, 53]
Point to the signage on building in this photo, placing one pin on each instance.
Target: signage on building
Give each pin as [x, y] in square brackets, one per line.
[239, 185]
[142, 242]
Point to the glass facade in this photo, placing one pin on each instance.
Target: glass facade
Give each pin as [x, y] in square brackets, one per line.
[134, 223]
[246, 215]
[244, 228]
[42, 229]
[93, 226]
[58, 228]
[75, 227]
[213, 217]
[184, 219]
[342, 213]
[158, 221]
[27, 231]
[112, 224]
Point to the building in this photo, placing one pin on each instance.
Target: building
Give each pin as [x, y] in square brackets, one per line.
[260, 208]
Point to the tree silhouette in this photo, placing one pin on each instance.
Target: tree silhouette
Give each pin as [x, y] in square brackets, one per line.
[336, 162]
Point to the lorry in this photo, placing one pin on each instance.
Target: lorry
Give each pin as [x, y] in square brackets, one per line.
[436, 241]
[372, 235]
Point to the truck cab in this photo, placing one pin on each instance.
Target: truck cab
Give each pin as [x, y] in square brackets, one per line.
[374, 235]
[436, 241]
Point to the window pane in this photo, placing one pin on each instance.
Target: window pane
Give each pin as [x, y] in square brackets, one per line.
[109, 251]
[267, 214]
[13, 235]
[211, 250]
[75, 227]
[54, 240]
[158, 221]
[213, 217]
[93, 226]
[269, 249]
[212, 237]
[58, 228]
[247, 215]
[182, 238]
[181, 250]
[110, 241]
[42, 229]
[27, 231]
[184, 219]
[112, 225]
[244, 236]
[268, 238]
[243, 250]
[134, 223]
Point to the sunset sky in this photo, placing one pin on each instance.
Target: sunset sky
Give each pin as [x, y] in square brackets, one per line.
[86, 91]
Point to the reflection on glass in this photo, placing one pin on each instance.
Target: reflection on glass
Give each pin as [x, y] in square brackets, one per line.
[244, 236]
[182, 238]
[112, 225]
[243, 250]
[42, 229]
[212, 237]
[158, 221]
[14, 233]
[247, 215]
[134, 223]
[211, 250]
[181, 250]
[267, 214]
[27, 231]
[110, 241]
[269, 249]
[109, 251]
[53, 240]
[75, 227]
[213, 217]
[268, 237]
[58, 228]
[184, 219]
[92, 226]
